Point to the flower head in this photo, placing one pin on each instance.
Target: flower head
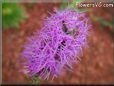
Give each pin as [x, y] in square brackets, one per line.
[58, 45]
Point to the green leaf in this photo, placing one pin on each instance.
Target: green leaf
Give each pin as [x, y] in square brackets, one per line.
[103, 21]
[113, 23]
[12, 15]
[74, 2]
[0, 15]
[63, 5]
[73, 5]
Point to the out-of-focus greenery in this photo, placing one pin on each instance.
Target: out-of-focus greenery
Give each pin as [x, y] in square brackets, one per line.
[0, 15]
[102, 21]
[64, 5]
[35, 79]
[105, 22]
[73, 5]
[12, 15]
[113, 23]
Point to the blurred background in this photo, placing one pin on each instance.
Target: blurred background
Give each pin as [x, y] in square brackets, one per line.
[20, 20]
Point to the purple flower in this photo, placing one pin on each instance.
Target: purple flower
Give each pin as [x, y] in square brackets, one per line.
[58, 45]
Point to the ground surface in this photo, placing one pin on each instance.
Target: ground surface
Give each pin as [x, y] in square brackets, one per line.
[96, 64]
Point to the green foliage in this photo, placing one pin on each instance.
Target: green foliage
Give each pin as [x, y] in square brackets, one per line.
[70, 5]
[35, 79]
[113, 24]
[0, 15]
[63, 5]
[74, 2]
[73, 5]
[12, 15]
[102, 21]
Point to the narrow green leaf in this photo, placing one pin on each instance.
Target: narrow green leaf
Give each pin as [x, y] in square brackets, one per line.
[113, 23]
[103, 21]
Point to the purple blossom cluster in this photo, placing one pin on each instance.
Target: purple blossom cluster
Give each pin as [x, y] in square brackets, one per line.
[58, 45]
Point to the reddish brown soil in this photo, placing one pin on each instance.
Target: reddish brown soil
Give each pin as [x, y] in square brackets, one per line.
[96, 65]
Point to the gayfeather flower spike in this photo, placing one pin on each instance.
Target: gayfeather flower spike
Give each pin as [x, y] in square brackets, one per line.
[58, 45]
